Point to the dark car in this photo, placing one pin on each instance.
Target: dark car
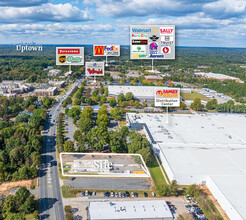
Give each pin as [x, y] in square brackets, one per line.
[135, 194]
[127, 194]
[145, 194]
[123, 195]
[83, 193]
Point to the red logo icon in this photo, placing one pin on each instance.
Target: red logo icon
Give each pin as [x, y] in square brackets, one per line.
[99, 50]
[165, 49]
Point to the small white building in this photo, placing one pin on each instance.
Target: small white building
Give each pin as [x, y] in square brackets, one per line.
[54, 72]
[127, 210]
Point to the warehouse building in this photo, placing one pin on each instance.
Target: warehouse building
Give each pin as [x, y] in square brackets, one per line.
[127, 210]
[208, 149]
[139, 92]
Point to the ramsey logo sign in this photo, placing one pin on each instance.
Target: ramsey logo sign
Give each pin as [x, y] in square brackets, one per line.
[167, 93]
[166, 30]
[167, 97]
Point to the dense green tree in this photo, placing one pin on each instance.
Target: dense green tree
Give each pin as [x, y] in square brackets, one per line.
[112, 102]
[183, 105]
[129, 96]
[77, 102]
[22, 118]
[121, 98]
[103, 99]
[197, 105]
[74, 112]
[69, 146]
[89, 101]
[146, 154]
[212, 104]
[85, 124]
[101, 90]
[116, 113]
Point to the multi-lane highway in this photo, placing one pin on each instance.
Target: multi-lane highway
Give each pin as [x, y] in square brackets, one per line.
[51, 206]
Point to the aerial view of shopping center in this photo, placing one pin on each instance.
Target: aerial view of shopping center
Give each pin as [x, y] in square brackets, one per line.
[122, 110]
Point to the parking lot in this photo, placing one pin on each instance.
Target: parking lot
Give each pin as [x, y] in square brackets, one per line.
[69, 129]
[110, 183]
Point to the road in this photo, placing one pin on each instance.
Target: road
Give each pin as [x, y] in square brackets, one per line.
[51, 206]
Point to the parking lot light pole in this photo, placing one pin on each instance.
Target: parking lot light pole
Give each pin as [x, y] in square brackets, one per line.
[167, 114]
[106, 64]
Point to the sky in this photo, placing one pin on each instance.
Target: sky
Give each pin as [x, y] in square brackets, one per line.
[201, 23]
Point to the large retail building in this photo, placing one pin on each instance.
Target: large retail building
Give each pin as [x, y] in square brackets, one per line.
[207, 149]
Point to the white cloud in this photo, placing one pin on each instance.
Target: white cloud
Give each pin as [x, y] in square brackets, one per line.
[46, 12]
[193, 21]
[225, 8]
[55, 29]
[130, 8]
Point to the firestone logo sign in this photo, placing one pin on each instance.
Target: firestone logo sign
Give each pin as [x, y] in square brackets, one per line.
[68, 51]
[69, 56]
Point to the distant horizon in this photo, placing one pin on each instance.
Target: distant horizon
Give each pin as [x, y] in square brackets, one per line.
[123, 45]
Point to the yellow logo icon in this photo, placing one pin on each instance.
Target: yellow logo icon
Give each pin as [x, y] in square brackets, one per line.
[155, 30]
[62, 58]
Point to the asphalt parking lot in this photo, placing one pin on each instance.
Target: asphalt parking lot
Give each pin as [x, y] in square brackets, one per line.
[110, 183]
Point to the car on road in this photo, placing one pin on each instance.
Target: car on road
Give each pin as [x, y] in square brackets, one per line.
[54, 134]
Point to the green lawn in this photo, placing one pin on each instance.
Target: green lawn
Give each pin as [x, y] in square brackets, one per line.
[156, 173]
[193, 95]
